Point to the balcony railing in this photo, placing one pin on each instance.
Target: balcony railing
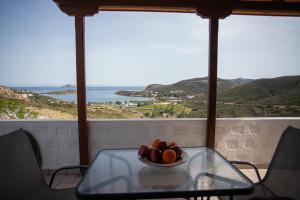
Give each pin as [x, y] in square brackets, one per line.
[251, 139]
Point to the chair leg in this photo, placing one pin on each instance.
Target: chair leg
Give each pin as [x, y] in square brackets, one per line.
[202, 198]
[82, 171]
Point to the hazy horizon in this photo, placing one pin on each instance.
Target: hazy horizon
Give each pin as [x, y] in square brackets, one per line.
[62, 85]
[139, 48]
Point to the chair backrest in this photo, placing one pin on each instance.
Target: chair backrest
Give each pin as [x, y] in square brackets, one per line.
[20, 175]
[283, 175]
[35, 147]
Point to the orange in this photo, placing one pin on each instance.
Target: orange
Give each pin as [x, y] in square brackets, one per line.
[155, 143]
[171, 144]
[169, 156]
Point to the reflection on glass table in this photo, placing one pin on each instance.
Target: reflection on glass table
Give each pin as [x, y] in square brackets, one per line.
[119, 174]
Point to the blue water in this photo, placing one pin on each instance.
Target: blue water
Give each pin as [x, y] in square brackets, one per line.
[94, 94]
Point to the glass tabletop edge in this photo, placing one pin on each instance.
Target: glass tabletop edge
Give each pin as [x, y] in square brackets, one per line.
[233, 167]
[164, 194]
[217, 152]
[168, 194]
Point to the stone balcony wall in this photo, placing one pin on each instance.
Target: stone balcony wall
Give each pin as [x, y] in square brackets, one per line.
[251, 139]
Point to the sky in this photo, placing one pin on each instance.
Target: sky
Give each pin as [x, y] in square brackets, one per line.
[37, 46]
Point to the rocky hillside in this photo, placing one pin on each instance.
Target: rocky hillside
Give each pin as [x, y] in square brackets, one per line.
[13, 104]
[6, 92]
[16, 104]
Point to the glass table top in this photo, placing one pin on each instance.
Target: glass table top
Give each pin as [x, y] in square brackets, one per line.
[119, 173]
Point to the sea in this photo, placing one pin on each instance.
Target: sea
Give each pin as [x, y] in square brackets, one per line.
[102, 94]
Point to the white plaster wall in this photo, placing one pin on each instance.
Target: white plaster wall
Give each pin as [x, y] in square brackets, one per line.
[133, 133]
[58, 140]
[251, 139]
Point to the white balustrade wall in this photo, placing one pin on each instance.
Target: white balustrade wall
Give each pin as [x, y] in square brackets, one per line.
[250, 139]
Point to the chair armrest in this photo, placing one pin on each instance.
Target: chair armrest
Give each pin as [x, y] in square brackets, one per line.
[249, 164]
[81, 167]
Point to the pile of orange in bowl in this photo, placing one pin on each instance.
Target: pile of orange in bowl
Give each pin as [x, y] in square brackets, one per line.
[161, 152]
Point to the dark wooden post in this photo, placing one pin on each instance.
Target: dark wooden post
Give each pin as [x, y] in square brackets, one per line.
[80, 9]
[212, 81]
[81, 90]
[213, 15]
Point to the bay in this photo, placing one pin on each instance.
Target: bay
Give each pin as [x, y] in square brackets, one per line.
[102, 94]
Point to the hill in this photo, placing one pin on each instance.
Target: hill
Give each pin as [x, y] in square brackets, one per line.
[195, 86]
[281, 91]
[240, 81]
[17, 104]
[272, 91]
[69, 86]
[272, 97]
[6, 92]
[13, 104]
[189, 87]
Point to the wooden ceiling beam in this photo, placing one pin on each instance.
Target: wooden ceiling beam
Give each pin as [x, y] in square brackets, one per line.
[91, 7]
[78, 7]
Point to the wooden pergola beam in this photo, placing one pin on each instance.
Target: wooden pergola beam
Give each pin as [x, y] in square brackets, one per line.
[212, 69]
[83, 136]
[239, 7]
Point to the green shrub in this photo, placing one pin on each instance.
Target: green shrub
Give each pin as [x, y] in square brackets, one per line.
[15, 109]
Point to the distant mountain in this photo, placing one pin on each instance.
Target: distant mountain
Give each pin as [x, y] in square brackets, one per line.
[195, 87]
[240, 81]
[281, 90]
[270, 91]
[69, 86]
